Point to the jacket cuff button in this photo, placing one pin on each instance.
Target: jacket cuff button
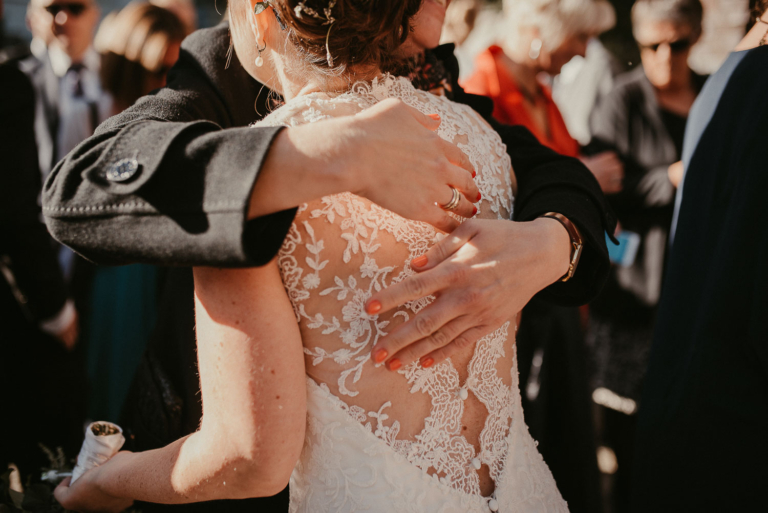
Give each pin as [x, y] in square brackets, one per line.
[122, 170]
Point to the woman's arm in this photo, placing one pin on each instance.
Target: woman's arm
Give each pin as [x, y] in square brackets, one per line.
[254, 404]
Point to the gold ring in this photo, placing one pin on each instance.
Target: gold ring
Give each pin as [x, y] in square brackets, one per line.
[455, 199]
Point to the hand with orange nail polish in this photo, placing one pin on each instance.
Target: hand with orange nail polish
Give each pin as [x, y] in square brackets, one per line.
[482, 274]
[371, 171]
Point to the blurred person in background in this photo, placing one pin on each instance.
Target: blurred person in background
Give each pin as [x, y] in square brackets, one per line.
[138, 45]
[460, 19]
[541, 36]
[643, 119]
[42, 385]
[580, 86]
[701, 434]
[69, 100]
[12, 47]
[183, 9]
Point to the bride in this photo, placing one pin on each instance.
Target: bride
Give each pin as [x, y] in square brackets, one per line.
[290, 388]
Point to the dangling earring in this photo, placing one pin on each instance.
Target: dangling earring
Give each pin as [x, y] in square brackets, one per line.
[535, 50]
[259, 61]
[259, 8]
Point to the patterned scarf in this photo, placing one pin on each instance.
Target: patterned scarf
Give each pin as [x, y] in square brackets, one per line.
[427, 73]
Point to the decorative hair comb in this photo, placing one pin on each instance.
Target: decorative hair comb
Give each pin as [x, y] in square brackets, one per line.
[327, 19]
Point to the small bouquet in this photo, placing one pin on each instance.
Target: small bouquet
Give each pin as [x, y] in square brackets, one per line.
[102, 441]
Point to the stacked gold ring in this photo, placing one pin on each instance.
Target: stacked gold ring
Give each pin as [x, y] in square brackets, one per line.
[455, 199]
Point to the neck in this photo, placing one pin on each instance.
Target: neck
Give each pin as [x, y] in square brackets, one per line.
[411, 48]
[294, 84]
[524, 73]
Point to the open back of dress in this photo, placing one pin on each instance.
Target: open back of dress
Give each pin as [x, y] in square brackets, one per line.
[418, 439]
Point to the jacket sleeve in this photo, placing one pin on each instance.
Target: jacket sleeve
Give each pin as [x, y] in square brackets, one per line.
[168, 181]
[27, 251]
[550, 182]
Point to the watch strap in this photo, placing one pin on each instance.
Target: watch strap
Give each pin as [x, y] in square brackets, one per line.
[577, 243]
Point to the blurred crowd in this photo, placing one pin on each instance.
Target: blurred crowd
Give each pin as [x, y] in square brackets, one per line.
[74, 333]
[547, 69]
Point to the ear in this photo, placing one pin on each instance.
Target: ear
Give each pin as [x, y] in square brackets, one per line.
[259, 22]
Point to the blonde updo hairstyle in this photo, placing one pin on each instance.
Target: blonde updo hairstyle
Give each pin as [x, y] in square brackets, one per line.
[556, 20]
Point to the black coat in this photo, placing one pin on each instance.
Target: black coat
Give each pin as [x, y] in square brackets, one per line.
[702, 441]
[33, 365]
[187, 206]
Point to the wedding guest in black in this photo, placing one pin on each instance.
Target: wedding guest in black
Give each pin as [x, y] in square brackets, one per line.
[70, 102]
[42, 385]
[643, 119]
[163, 219]
[701, 443]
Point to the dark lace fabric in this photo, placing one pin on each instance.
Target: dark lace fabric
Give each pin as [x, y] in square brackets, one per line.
[427, 73]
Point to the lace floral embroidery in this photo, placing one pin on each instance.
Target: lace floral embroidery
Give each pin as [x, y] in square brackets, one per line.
[347, 228]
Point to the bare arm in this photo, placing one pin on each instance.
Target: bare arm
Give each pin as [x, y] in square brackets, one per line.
[254, 397]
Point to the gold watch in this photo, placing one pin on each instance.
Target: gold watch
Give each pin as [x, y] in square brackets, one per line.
[577, 244]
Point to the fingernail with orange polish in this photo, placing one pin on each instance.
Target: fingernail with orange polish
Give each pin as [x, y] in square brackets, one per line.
[373, 307]
[479, 196]
[474, 211]
[474, 173]
[436, 117]
[380, 355]
[394, 364]
[419, 261]
[427, 362]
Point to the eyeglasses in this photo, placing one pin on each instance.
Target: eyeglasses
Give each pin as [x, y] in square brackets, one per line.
[73, 8]
[678, 46]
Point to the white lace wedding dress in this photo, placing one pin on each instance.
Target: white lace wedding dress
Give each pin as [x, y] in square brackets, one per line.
[416, 440]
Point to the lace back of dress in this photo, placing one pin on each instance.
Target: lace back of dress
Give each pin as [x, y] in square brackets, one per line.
[343, 248]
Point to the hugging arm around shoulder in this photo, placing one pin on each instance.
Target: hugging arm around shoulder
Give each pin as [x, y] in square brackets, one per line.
[550, 182]
[189, 163]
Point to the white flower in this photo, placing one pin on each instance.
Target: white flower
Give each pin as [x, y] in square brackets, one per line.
[342, 356]
[349, 337]
[369, 268]
[311, 281]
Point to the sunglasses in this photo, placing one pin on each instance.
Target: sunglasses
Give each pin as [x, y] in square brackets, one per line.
[678, 46]
[73, 8]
